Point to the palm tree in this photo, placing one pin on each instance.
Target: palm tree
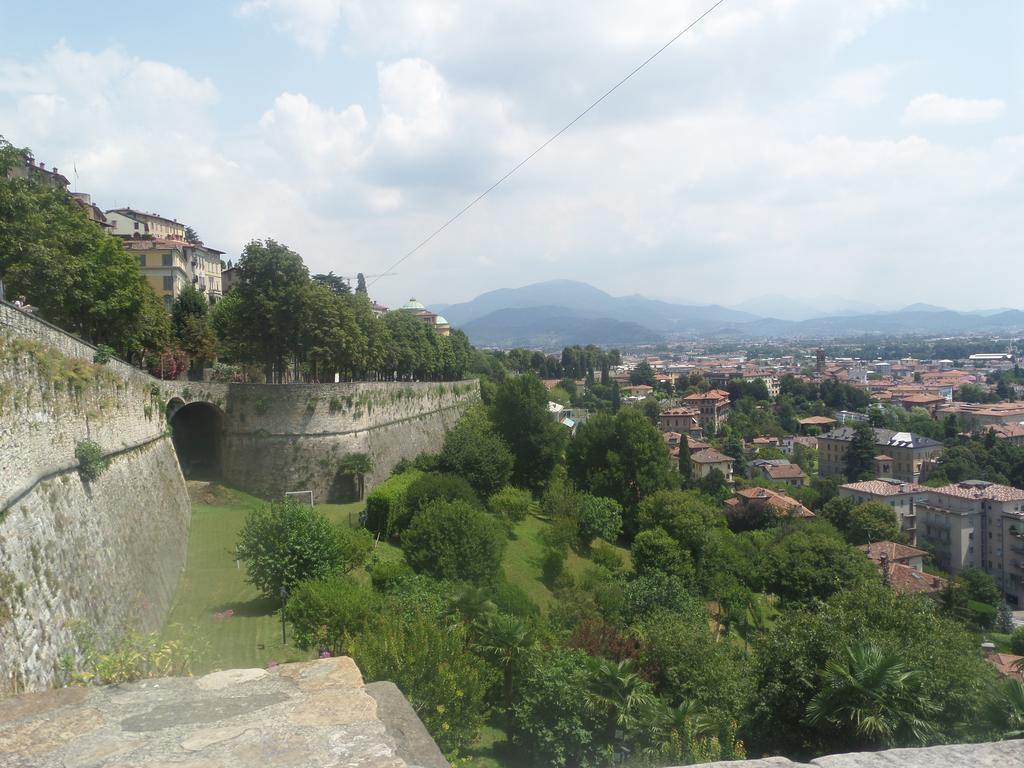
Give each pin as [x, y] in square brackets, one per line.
[360, 465]
[618, 692]
[473, 604]
[506, 641]
[1004, 709]
[874, 695]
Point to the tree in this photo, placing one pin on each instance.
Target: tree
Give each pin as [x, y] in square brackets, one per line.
[599, 517]
[642, 374]
[1004, 619]
[334, 283]
[434, 486]
[685, 462]
[554, 724]
[687, 516]
[359, 465]
[860, 456]
[70, 271]
[872, 521]
[474, 450]
[521, 416]
[980, 586]
[811, 562]
[654, 550]
[790, 658]
[505, 641]
[873, 699]
[272, 291]
[360, 283]
[455, 540]
[837, 511]
[1017, 641]
[621, 457]
[191, 236]
[618, 694]
[283, 543]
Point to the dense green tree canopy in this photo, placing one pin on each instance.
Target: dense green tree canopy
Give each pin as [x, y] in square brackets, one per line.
[474, 450]
[521, 416]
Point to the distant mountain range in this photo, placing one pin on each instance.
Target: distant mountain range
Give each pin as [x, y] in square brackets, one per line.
[557, 313]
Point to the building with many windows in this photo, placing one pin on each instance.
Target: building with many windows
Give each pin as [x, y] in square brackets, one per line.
[897, 494]
[905, 455]
[127, 222]
[171, 265]
[976, 524]
[713, 407]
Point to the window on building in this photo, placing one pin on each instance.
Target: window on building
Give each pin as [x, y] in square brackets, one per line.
[136, 225]
[168, 283]
[168, 259]
[142, 259]
[168, 301]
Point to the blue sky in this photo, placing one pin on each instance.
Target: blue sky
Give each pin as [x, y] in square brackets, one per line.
[830, 150]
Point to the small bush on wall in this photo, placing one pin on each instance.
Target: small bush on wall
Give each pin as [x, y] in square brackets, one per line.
[91, 460]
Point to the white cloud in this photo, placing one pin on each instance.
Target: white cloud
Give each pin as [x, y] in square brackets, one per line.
[861, 87]
[938, 108]
[325, 141]
[311, 23]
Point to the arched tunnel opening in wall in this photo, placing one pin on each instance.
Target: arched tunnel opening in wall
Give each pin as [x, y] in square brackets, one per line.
[197, 431]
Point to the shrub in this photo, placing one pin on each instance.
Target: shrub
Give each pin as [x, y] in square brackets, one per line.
[283, 543]
[511, 503]
[430, 663]
[386, 503]
[654, 550]
[552, 565]
[354, 547]
[433, 487]
[607, 556]
[454, 540]
[511, 598]
[91, 460]
[128, 656]
[103, 354]
[599, 517]
[388, 575]
[324, 611]
[1017, 641]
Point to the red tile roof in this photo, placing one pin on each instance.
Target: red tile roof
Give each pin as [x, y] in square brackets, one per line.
[907, 580]
[784, 471]
[884, 488]
[710, 456]
[714, 394]
[988, 491]
[811, 421]
[893, 551]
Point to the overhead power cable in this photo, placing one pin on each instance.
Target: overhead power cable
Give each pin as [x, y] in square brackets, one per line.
[562, 130]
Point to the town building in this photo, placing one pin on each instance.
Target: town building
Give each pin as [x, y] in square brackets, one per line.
[713, 407]
[1010, 433]
[750, 504]
[127, 222]
[897, 494]
[440, 325]
[169, 266]
[980, 415]
[703, 462]
[978, 524]
[910, 455]
[780, 470]
[681, 419]
[229, 277]
[816, 423]
[30, 169]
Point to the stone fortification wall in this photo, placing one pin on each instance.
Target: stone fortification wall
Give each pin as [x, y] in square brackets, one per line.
[109, 551]
[292, 437]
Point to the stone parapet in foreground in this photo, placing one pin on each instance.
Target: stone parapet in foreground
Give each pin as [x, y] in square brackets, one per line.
[998, 754]
[316, 713]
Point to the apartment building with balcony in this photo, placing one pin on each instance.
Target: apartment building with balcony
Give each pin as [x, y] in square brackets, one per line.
[980, 524]
[899, 495]
[169, 266]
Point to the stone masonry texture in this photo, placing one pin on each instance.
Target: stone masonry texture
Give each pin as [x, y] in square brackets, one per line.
[310, 714]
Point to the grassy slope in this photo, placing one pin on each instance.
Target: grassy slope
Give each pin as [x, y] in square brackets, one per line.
[212, 584]
[251, 636]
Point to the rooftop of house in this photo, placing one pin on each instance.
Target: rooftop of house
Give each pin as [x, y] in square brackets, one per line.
[812, 421]
[885, 437]
[712, 394]
[784, 505]
[131, 213]
[884, 487]
[924, 398]
[680, 410]
[784, 471]
[710, 456]
[893, 551]
[980, 489]
[908, 580]
[1005, 431]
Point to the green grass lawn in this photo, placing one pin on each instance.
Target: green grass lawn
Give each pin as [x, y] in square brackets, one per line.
[522, 560]
[214, 583]
[250, 636]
